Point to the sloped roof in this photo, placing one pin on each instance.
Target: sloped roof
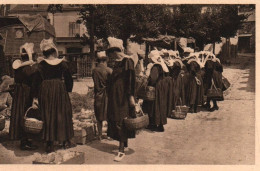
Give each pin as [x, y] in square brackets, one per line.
[27, 8]
[33, 23]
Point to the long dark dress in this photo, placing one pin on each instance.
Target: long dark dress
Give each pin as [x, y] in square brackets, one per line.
[213, 71]
[100, 76]
[122, 86]
[157, 109]
[22, 100]
[178, 86]
[195, 92]
[54, 101]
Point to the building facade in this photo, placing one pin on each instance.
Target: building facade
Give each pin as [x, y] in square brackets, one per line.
[246, 35]
[67, 29]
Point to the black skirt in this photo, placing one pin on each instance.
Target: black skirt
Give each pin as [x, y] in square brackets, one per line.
[21, 102]
[56, 110]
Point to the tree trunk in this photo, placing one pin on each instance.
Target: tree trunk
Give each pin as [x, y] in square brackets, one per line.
[92, 43]
[214, 45]
[53, 19]
[228, 48]
[125, 44]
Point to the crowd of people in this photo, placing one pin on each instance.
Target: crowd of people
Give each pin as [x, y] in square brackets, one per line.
[176, 81]
[44, 85]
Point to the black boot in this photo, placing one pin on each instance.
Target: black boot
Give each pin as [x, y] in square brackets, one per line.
[27, 145]
[160, 128]
[151, 127]
[195, 108]
[215, 105]
[191, 110]
[49, 147]
[207, 106]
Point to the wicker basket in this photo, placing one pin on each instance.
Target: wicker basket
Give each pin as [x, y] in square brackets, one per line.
[148, 93]
[215, 93]
[226, 83]
[2, 123]
[137, 123]
[180, 111]
[32, 126]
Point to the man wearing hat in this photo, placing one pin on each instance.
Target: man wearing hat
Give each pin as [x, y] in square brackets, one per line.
[100, 76]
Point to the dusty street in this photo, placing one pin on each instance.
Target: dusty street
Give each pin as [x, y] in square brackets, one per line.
[226, 136]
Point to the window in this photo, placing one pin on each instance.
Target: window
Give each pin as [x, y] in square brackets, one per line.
[74, 29]
[19, 33]
[35, 5]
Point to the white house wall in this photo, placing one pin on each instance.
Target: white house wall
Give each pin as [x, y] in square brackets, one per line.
[61, 23]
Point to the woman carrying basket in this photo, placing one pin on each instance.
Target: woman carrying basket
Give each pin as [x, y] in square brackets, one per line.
[178, 84]
[22, 100]
[212, 77]
[51, 93]
[158, 108]
[121, 100]
[195, 89]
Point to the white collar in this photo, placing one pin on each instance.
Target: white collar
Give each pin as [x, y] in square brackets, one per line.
[54, 61]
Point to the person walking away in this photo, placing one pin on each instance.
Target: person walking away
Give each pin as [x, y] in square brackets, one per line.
[22, 100]
[100, 76]
[51, 93]
[213, 72]
[121, 100]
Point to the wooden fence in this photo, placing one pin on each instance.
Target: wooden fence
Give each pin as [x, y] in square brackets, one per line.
[80, 64]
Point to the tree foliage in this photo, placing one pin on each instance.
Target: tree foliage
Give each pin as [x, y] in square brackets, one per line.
[143, 21]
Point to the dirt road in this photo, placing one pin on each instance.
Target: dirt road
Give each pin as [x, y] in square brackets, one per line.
[226, 136]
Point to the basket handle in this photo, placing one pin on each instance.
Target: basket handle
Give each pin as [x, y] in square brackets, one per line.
[180, 101]
[140, 109]
[213, 84]
[25, 116]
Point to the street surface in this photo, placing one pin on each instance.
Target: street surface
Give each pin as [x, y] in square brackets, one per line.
[226, 136]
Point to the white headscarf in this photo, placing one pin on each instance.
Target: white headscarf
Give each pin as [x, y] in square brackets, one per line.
[155, 56]
[47, 44]
[28, 47]
[114, 42]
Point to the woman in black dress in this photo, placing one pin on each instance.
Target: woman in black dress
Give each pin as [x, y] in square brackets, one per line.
[195, 89]
[159, 108]
[213, 72]
[22, 100]
[121, 99]
[52, 96]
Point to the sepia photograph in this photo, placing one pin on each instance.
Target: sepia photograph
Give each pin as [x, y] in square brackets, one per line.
[127, 84]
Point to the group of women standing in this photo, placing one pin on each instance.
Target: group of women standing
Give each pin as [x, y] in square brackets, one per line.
[181, 81]
[177, 81]
[39, 85]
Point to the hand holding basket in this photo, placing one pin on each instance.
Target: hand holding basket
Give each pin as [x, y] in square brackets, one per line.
[140, 122]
